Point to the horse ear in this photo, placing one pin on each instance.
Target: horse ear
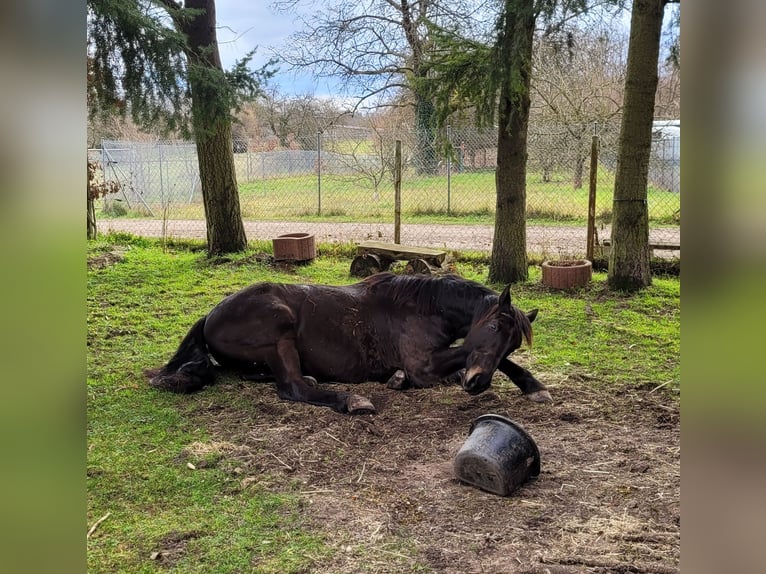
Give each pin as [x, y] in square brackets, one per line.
[505, 297]
[531, 315]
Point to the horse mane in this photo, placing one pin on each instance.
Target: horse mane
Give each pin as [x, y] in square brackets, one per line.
[524, 324]
[431, 294]
[450, 295]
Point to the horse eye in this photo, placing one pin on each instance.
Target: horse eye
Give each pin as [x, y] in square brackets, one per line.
[492, 326]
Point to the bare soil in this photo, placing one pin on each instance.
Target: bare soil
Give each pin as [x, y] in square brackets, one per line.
[382, 490]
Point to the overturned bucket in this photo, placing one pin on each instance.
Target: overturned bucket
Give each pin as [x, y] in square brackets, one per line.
[498, 456]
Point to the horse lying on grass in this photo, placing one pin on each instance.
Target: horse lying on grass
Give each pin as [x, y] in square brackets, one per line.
[395, 328]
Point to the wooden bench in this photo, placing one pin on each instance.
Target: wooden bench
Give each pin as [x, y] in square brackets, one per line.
[660, 246]
[375, 256]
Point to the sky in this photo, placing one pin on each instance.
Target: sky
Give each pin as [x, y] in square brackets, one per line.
[243, 26]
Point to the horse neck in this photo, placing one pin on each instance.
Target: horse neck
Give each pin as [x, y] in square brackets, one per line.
[462, 313]
[460, 302]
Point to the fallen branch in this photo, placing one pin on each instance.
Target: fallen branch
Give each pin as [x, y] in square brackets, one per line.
[282, 462]
[336, 439]
[92, 529]
[361, 474]
[660, 386]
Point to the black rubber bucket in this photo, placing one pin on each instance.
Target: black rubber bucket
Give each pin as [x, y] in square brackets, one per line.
[498, 456]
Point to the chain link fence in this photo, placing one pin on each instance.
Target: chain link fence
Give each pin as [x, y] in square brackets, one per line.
[339, 185]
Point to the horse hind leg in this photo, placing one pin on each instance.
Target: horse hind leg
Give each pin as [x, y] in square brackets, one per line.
[303, 390]
[292, 385]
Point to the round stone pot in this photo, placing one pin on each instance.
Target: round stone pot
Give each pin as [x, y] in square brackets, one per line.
[567, 273]
[498, 456]
[294, 247]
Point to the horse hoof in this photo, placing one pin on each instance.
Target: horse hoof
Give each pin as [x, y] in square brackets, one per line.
[358, 405]
[540, 397]
[397, 380]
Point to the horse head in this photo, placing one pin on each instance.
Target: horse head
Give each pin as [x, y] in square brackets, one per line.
[498, 332]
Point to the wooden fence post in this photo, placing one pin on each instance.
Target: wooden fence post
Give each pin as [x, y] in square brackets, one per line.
[591, 234]
[398, 191]
[319, 173]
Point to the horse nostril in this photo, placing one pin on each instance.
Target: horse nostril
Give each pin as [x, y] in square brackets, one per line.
[475, 387]
[469, 375]
[472, 380]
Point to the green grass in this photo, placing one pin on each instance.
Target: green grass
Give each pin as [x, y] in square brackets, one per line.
[425, 199]
[138, 309]
[632, 339]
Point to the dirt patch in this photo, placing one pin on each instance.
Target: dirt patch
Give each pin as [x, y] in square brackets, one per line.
[106, 259]
[381, 486]
[172, 547]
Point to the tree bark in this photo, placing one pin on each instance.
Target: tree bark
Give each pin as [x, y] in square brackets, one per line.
[629, 268]
[426, 161]
[212, 130]
[92, 229]
[508, 262]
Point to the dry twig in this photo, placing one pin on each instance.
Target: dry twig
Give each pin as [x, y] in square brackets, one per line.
[92, 529]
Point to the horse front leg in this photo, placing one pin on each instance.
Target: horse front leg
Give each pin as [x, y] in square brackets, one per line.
[293, 386]
[533, 389]
[436, 369]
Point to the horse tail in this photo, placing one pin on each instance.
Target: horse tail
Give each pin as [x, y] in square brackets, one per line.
[190, 368]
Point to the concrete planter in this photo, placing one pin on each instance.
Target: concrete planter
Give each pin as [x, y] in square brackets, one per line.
[294, 247]
[567, 273]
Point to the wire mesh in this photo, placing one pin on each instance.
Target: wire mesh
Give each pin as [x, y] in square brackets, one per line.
[339, 185]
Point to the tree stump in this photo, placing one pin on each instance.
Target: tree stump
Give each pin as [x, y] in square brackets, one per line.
[567, 273]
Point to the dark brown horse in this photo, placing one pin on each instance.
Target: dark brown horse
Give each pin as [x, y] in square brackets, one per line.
[396, 328]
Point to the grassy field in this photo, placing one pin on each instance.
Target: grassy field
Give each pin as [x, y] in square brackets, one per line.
[425, 199]
[149, 475]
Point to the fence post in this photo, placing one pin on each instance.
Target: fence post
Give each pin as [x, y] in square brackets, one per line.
[398, 191]
[449, 169]
[319, 173]
[591, 234]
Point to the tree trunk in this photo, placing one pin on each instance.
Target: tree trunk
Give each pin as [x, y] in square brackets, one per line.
[92, 230]
[212, 131]
[629, 259]
[426, 162]
[425, 154]
[508, 263]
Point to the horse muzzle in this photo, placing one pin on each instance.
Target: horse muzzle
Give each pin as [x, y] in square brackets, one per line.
[475, 380]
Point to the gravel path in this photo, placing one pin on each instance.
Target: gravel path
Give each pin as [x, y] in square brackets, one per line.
[549, 240]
